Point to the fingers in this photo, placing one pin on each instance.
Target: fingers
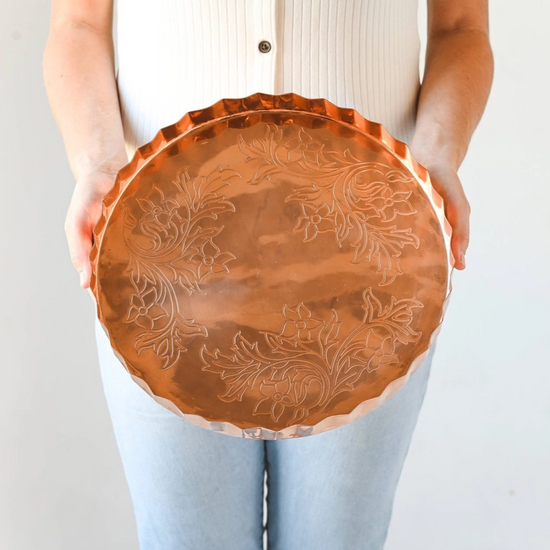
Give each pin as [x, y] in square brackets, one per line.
[78, 231]
[457, 212]
[83, 214]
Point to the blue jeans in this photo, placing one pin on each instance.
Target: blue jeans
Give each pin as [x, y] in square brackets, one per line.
[195, 489]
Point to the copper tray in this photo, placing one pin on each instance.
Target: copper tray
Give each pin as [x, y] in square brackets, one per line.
[272, 266]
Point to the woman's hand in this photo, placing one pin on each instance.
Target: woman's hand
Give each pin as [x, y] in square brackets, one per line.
[80, 81]
[456, 83]
[82, 216]
[457, 209]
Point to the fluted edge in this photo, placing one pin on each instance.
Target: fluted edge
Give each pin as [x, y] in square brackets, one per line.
[260, 101]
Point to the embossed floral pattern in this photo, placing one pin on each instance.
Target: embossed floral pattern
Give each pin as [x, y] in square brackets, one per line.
[179, 252]
[277, 396]
[315, 220]
[305, 368]
[378, 197]
[378, 351]
[144, 310]
[299, 325]
[159, 211]
[345, 195]
[210, 259]
[307, 364]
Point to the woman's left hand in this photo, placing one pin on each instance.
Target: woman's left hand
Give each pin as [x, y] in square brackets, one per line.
[457, 209]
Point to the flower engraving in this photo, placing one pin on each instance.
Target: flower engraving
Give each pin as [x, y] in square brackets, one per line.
[277, 396]
[170, 246]
[299, 324]
[315, 220]
[378, 351]
[144, 310]
[378, 196]
[160, 210]
[345, 195]
[210, 259]
[302, 146]
[307, 364]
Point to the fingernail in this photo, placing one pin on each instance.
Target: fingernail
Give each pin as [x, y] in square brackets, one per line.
[462, 259]
[81, 278]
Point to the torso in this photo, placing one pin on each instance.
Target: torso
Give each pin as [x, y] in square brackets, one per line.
[176, 56]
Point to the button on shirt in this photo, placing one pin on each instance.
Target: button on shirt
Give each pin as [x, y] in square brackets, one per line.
[264, 46]
[176, 56]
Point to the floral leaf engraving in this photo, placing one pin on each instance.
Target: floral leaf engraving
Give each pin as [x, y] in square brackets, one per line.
[172, 246]
[306, 365]
[343, 194]
[174, 250]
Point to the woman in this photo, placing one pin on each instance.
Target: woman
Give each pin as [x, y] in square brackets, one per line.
[190, 487]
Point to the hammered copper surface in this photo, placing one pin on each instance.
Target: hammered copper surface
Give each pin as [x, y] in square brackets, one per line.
[272, 266]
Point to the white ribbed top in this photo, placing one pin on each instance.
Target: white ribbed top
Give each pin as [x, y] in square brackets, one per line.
[176, 56]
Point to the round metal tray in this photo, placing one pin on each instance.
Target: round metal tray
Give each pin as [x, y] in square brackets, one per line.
[272, 266]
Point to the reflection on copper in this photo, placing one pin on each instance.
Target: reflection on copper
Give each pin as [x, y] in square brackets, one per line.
[272, 266]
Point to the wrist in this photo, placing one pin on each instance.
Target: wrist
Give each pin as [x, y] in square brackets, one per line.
[85, 165]
[433, 147]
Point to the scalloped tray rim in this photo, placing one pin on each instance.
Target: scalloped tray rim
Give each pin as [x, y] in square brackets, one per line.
[256, 102]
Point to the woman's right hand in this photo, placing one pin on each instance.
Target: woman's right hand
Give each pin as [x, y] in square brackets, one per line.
[82, 216]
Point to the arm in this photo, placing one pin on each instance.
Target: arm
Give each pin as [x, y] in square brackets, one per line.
[457, 79]
[79, 76]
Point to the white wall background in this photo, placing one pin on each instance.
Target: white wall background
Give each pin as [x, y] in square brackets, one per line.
[477, 476]
[478, 472]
